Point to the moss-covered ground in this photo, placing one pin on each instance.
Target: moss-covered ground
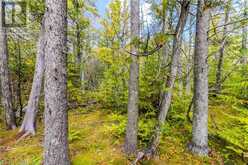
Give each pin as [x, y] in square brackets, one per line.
[92, 142]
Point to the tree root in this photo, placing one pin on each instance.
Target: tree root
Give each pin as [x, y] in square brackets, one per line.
[22, 135]
[199, 150]
[146, 154]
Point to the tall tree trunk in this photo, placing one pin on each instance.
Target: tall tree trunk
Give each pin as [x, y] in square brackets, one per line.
[19, 106]
[82, 73]
[78, 44]
[77, 34]
[29, 122]
[189, 60]
[5, 79]
[78, 50]
[180, 73]
[172, 75]
[165, 51]
[133, 111]
[244, 40]
[79, 54]
[167, 23]
[56, 115]
[199, 143]
[222, 51]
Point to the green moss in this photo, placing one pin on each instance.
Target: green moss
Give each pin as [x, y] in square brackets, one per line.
[93, 140]
[83, 159]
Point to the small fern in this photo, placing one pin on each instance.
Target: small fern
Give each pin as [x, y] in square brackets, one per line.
[74, 135]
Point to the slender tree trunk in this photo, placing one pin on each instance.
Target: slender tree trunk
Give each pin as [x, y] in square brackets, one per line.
[82, 73]
[77, 34]
[5, 79]
[189, 62]
[19, 106]
[19, 78]
[79, 54]
[29, 122]
[180, 79]
[244, 40]
[180, 73]
[78, 51]
[133, 111]
[221, 52]
[167, 48]
[172, 75]
[56, 117]
[199, 143]
[165, 52]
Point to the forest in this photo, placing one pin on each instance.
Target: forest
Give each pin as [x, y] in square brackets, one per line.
[118, 82]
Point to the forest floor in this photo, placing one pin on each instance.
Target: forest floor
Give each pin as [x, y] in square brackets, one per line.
[92, 142]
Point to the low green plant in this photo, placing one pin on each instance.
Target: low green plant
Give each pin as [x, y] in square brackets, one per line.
[36, 160]
[118, 128]
[146, 129]
[166, 129]
[74, 135]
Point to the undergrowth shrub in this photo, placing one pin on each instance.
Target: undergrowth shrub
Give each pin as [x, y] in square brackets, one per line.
[166, 129]
[146, 130]
[177, 115]
[113, 88]
[118, 129]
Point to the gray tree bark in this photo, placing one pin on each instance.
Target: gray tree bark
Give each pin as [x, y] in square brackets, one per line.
[199, 143]
[167, 23]
[189, 60]
[175, 61]
[29, 122]
[133, 109]
[172, 75]
[19, 105]
[180, 73]
[5, 79]
[222, 51]
[56, 116]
